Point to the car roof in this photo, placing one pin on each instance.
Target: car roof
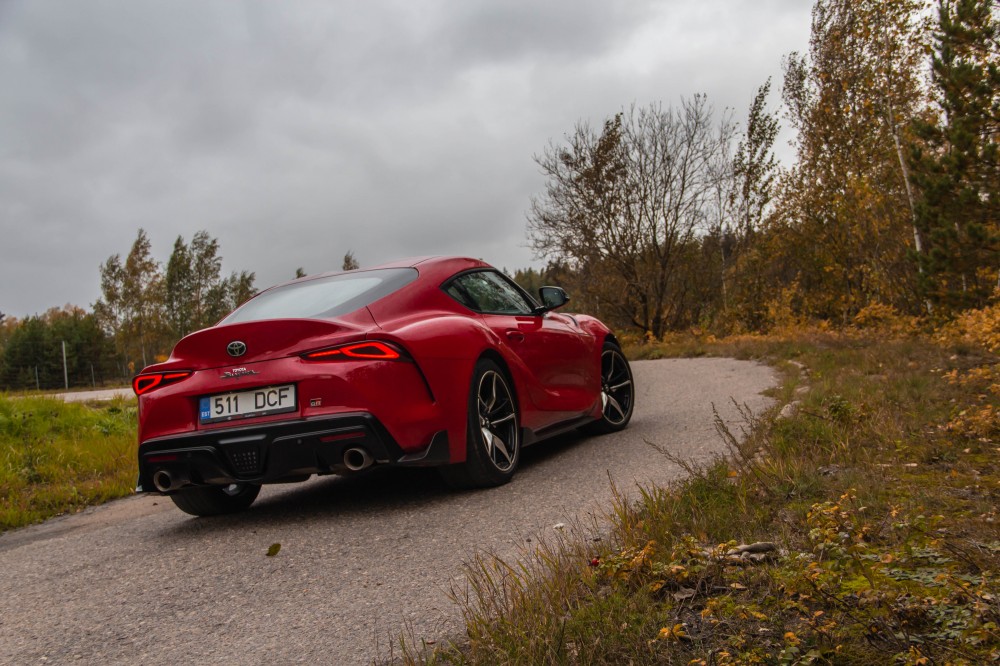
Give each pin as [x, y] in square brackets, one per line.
[430, 267]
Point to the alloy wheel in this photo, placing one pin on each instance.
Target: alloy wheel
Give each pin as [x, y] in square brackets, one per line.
[497, 420]
[617, 392]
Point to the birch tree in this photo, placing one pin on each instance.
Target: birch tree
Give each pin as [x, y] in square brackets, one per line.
[846, 206]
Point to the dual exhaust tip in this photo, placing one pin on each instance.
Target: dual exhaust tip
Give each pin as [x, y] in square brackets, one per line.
[355, 459]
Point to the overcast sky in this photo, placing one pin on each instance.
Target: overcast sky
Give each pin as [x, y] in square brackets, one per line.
[295, 131]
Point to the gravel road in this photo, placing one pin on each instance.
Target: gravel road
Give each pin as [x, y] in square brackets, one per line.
[136, 581]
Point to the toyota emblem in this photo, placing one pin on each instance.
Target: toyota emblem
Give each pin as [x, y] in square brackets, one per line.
[236, 348]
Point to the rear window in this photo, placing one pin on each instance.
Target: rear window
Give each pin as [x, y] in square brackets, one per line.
[324, 297]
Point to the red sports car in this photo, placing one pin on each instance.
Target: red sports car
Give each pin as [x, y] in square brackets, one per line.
[427, 362]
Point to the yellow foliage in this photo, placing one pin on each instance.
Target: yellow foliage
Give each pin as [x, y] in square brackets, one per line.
[674, 633]
[781, 311]
[980, 328]
[885, 319]
[977, 327]
[976, 422]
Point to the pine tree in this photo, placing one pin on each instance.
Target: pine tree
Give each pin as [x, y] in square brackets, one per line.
[957, 168]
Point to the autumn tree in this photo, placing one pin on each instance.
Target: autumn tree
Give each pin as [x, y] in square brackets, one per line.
[178, 292]
[554, 273]
[621, 206]
[228, 294]
[755, 170]
[755, 167]
[957, 167]
[146, 310]
[196, 295]
[131, 305]
[350, 263]
[844, 213]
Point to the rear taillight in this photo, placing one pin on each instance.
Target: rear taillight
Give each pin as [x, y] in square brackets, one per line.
[370, 350]
[146, 383]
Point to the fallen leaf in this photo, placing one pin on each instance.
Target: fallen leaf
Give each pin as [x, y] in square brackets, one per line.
[683, 593]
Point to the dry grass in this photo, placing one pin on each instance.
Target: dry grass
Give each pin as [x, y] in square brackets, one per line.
[879, 495]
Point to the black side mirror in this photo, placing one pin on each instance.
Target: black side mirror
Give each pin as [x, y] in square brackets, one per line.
[552, 298]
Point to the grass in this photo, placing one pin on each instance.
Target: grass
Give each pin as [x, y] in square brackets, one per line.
[58, 457]
[874, 507]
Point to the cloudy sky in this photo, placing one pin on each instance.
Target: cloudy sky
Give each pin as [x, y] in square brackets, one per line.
[294, 131]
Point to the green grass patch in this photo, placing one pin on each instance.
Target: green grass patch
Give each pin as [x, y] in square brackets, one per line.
[58, 457]
[874, 507]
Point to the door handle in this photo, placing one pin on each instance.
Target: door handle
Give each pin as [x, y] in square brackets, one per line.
[515, 336]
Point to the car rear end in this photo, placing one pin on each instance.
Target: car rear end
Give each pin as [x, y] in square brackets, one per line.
[263, 398]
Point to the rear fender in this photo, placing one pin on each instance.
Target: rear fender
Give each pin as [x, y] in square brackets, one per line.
[445, 349]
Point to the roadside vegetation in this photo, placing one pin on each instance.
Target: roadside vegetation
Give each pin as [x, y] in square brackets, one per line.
[859, 525]
[58, 457]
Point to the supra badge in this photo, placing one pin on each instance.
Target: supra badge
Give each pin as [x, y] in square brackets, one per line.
[236, 348]
[238, 372]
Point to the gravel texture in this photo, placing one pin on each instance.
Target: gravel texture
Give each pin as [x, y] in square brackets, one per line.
[136, 581]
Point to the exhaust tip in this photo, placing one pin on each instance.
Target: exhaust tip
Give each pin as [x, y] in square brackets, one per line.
[356, 459]
[162, 480]
[165, 481]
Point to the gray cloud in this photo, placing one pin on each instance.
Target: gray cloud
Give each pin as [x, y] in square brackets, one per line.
[296, 131]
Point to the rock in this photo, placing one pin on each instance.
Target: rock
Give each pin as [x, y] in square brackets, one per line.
[759, 547]
[789, 410]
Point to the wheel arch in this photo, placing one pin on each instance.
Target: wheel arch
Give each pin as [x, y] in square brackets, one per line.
[495, 356]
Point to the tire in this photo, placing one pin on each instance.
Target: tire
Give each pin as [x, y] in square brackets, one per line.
[216, 500]
[493, 436]
[617, 392]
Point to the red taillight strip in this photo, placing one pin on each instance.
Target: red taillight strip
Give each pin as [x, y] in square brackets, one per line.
[370, 350]
[146, 383]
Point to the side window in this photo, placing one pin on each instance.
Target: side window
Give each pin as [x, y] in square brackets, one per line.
[456, 292]
[490, 293]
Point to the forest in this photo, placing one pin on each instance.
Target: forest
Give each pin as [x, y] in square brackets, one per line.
[663, 219]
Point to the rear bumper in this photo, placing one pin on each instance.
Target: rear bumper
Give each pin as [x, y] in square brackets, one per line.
[278, 451]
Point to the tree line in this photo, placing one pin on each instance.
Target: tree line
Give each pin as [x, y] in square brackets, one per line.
[664, 218]
[144, 309]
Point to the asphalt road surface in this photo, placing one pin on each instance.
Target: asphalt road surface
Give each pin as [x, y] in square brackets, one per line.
[138, 582]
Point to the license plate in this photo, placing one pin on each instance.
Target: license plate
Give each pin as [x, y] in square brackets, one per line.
[246, 404]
